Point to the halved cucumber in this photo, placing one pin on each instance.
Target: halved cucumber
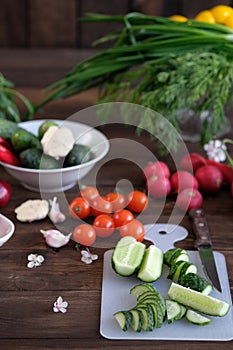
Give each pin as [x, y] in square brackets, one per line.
[198, 301]
[127, 256]
[196, 282]
[196, 318]
[152, 264]
[124, 319]
[174, 311]
[137, 319]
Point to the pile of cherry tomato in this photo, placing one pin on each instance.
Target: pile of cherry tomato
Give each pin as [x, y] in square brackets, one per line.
[111, 212]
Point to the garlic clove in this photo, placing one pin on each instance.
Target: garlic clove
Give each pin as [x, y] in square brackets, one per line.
[55, 238]
[55, 213]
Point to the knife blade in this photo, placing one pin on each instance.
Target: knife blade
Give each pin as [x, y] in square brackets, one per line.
[204, 245]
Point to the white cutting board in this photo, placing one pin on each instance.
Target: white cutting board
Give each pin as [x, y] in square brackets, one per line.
[116, 296]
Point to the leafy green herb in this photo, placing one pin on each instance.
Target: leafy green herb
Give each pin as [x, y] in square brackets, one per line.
[161, 64]
[8, 106]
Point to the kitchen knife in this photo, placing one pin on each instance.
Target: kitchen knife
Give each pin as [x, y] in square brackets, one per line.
[204, 246]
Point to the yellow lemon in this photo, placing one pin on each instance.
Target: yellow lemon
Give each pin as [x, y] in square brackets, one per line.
[221, 13]
[229, 21]
[205, 16]
[179, 18]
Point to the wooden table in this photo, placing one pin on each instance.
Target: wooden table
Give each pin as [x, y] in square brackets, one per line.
[27, 320]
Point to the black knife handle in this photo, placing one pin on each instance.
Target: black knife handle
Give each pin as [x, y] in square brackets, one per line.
[200, 227]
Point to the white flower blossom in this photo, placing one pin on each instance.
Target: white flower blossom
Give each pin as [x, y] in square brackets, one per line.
[60, 305]
[87, 257]
[34, 260]
[215, 150]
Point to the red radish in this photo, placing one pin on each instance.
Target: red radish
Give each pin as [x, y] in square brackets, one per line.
[156, 169]
[210, 178]
[192, 161]
[5, 193]
[226, 170]
[182, 179]
[8, 156]
[189, 198]
[5, 143]
[158, 186]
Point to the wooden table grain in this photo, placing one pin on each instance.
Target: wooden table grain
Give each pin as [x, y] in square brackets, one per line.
[27, 320]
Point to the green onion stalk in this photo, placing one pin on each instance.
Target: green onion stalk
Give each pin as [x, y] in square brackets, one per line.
[161, 64]
[8, 101]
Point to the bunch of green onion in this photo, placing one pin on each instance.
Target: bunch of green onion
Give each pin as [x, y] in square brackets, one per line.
[147, 45]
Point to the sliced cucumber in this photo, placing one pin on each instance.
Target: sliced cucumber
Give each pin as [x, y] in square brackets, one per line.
[152, 264]
[183, 311]
[124, 319]
[196, 318]
[175, 254]
[127, 256]
[187, 267]
[158, 315]
[148, 322]
[154, 298]
[196, 282]
[174, 311]
[198, 301]
[175, 269]
[137, 319]
[142, 288]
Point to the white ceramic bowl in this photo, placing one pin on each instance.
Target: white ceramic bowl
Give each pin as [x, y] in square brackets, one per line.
[57, 180]
[7, 229]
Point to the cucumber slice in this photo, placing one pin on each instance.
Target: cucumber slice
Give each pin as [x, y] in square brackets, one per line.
[137, 319]
[148, 322]
[142, 288]
[187, 267]
[174, 271]
[196, 318]
[175, 254]
[154, 298]
[183, 311]
[196, 282]
[152, 264]
[124, 319]
[127, 256]
[174, 311]
[158, 315]
[198, 301]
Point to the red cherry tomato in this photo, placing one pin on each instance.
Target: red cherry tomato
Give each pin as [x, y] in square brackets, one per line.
[104, 225]
[100, 206]
[122, 217]
[135, 229]
[138, 201]
[8, 156]
[84, 234]
[79, 208]
[89, 193]
[117, 199]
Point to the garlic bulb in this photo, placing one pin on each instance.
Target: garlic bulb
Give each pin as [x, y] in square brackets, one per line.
[55, 238]
[55, 214]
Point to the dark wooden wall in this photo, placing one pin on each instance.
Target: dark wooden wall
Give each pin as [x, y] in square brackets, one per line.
[54, 23]
[41, 39]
